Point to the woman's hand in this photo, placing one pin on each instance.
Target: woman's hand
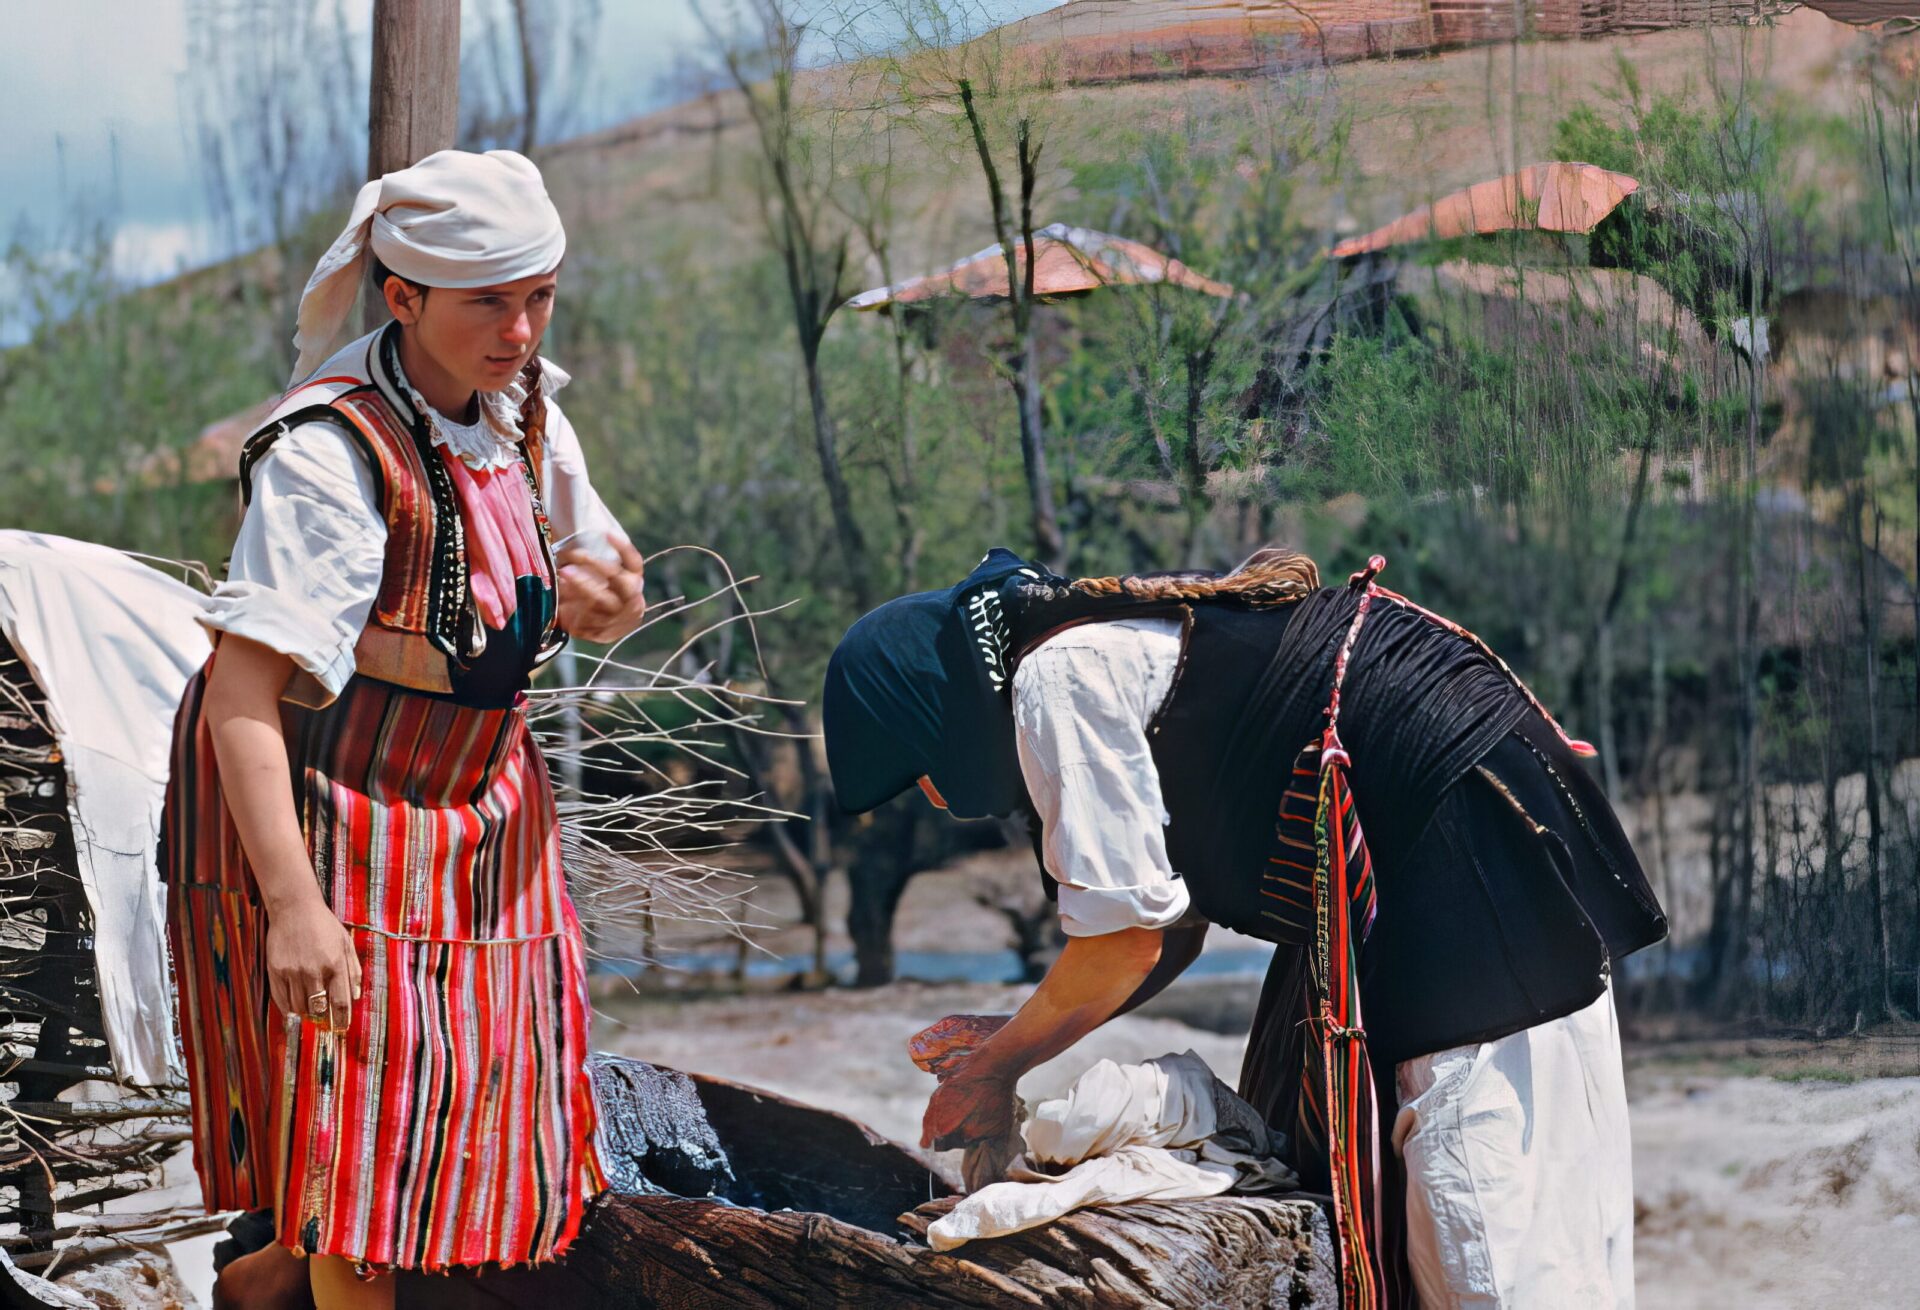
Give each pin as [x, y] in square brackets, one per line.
[967, 1108]
[1090, 981]
[601, 599]
[309, 954]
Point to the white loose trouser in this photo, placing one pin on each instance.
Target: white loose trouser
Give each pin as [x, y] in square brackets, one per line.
[1520, 1170]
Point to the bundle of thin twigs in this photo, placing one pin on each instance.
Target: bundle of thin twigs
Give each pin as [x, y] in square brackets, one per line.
[71, 1135]
[642, 776]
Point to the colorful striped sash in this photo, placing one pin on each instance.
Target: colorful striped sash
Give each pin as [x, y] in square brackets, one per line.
[1321, 887]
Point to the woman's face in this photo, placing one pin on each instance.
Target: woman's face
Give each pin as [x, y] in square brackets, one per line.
[479, 336]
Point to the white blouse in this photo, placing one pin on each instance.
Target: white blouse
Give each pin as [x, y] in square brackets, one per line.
[307, 563]
[1081, 705]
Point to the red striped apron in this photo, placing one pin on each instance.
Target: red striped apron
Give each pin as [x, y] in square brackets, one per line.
[452, 1123]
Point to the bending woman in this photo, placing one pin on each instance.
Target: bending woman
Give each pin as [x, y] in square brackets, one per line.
[1343, 774]
[382, 984]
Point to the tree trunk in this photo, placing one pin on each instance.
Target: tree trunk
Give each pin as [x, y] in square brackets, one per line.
[529, 76]
[876, 878]
[801, 869]
[1048, 543]
[1199, 504]
[1047, 537]
[1876, 831]
[1730, 967]
[1657, 783]
[906, 491]
[906, 509]
[846, 528]
[414, 94]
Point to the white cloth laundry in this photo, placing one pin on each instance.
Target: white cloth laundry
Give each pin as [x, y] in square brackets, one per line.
[112, 643]
[1136, 1132]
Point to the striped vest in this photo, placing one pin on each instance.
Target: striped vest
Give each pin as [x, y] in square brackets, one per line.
[423, 629]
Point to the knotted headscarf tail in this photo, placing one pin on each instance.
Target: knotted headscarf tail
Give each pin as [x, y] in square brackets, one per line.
[455, 219]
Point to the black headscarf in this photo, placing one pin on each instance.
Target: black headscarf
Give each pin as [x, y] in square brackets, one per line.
[918, 686]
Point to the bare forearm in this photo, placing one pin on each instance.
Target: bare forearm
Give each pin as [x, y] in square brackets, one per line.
[1179, 947]
[312, 970]
[1086, 986]
[243, 717]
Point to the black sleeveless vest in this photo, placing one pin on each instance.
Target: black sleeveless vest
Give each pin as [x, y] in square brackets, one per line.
[1520, 934]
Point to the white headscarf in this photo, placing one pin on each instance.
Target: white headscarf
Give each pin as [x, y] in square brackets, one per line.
[455, 219]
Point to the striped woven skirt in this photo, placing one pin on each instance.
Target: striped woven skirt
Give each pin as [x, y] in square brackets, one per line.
[452, 1123]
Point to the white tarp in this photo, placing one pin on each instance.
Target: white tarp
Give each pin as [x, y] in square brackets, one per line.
[1131, 1132]
[113, 644]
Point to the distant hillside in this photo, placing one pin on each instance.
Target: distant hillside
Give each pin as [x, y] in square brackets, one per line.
[1124, 40]
[672, 192]
[1130, 40]
[672, 184]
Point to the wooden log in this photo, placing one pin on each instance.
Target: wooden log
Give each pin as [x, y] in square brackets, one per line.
[667, 1253]
[72, 1073]
[828, 1230]
[1221, 1251]
[46, 906]
[790, 1156]
[83, 1250]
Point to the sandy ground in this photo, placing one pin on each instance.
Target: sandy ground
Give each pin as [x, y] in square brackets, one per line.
[1758, 1191]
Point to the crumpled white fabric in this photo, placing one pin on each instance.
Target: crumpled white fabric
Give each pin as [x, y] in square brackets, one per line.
[1133, 1132]
[113, 644]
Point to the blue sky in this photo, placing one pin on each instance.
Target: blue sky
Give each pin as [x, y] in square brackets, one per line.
[97, 118]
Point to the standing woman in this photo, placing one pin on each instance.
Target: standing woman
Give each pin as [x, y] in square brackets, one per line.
[382, 981]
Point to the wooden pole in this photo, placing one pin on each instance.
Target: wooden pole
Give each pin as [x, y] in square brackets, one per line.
[414, 100]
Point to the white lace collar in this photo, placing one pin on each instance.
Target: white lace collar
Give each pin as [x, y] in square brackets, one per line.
[492, 440]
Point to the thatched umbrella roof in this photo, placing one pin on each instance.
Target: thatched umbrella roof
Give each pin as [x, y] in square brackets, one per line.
[1552, 197]
[1067, 261]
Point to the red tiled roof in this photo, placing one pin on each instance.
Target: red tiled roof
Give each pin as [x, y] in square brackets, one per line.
[1067, 261]
[1546, 197]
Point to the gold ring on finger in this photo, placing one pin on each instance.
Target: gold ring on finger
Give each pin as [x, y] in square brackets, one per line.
[317, 1004]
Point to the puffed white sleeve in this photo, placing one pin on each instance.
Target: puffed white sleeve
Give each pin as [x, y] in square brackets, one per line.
[1081, 726]
[307, 562]
[574, 508]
